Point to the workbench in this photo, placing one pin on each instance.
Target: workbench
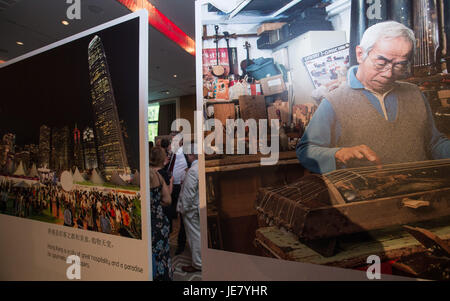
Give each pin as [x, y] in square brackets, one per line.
[352, 250]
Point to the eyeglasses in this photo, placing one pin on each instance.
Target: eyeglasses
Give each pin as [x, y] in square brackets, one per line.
[382, 64]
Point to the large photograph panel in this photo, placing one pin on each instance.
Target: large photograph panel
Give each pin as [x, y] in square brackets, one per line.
[361, 175]
[73, 151]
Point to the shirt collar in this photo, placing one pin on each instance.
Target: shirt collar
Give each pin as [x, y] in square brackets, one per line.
[353, 82]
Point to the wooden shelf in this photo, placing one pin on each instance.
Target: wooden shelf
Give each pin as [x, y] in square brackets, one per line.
[220, 101]
[240, 162]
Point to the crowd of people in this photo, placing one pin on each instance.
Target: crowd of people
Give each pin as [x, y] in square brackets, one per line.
[94, 210]
[173, 196]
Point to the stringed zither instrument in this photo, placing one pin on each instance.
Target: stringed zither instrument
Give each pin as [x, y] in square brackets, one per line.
[358, 199]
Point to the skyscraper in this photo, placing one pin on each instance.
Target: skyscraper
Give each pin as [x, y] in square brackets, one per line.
[10, 141]
[111, 147]
[44, 146]
[7, 151]
[89, 151]
[60, 159]
[77, 149]
[128, 146]
[33, 149]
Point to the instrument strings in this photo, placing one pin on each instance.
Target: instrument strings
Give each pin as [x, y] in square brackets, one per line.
[308, 191]
[348, 175]
[343, 175]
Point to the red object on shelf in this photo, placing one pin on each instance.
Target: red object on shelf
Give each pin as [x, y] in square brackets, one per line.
[254, 89]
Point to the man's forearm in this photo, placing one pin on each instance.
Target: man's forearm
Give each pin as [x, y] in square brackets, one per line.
[317, 159]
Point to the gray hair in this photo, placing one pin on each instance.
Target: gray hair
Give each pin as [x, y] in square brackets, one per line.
[386, 30]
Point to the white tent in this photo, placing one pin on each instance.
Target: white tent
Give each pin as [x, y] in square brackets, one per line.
[136, 179]
[96, 178]
[20, 170]
[33, 172]
[77, 177]
[116, 179]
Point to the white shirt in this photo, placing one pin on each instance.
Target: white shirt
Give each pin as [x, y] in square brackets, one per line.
[189, 196]
[179, 167]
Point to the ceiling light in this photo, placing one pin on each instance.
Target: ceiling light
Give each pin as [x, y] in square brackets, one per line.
[174, 75]
[64, 22]
[19, 43]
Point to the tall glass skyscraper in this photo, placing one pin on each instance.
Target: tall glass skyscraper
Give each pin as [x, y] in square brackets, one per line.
[90, 153]
[44, 146]
[77, 149]
[111, 147]
[61, 155]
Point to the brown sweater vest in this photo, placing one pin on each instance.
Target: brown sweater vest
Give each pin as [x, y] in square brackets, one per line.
[402, 140]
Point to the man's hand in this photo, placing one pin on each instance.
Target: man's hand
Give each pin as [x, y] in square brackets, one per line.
[357, 152]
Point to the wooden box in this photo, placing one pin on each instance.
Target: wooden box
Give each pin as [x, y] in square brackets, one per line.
[269, 27]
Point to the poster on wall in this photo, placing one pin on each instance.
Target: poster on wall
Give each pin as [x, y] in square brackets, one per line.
[315, 214]
[328, 67]
[73, 157]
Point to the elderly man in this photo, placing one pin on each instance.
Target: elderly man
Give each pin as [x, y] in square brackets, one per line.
[189, 208]
[373, 118]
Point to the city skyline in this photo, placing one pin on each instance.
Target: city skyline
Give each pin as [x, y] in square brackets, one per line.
[31, 104]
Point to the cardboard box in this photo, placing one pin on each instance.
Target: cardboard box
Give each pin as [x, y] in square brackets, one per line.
[444, 94]
[269, 26]
[273, 85]
[444, 97]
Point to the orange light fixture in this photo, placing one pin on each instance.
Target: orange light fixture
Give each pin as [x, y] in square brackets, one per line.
[161, 23]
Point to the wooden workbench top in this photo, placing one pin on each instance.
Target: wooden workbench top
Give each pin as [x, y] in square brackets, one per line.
[389, 244]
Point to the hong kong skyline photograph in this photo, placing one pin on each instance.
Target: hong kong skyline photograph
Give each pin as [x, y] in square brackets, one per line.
[69, 134]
